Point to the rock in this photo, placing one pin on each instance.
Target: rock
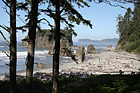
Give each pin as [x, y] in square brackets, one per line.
[42, 76]
[65, 48]
[65, 75]
[109, 46]
[80, 52]
[51, 50]
[41, 42]
[44, 38]
[91, 50]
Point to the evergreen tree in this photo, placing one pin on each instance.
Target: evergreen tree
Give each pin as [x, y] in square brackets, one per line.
[69, 14]
[31, 44]
[129, 30]
[13, 43]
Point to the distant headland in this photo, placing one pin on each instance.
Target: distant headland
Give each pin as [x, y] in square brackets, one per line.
[113, 40]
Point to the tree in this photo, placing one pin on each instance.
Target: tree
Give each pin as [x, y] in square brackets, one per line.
[56, 47]
[31, 44]
[13, 43]
[64, 12]
[13, 55]
[129, 30]
[57, 43]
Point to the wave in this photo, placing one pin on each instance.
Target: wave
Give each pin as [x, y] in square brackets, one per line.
[3, 66]
[41, 56]
[1, 46]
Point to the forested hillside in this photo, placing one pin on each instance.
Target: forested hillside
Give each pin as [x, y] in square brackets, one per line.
[129, 30]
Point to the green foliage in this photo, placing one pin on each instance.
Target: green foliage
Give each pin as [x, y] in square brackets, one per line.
[129, 30]
[94, 84]
[65, 34]
[132, 47]
[43, 32]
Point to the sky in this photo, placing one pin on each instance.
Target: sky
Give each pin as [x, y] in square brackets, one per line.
[102, 16]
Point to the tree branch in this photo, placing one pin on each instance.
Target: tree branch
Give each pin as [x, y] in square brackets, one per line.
[117, 5]
[51, 14]
[4, 37]
[64, 6]
[7, 54]
[21, 19]
[5, 3]
[5, 28]
[46, 21]
[6, 10]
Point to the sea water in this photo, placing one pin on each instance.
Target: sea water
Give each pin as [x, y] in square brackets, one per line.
[41, 56]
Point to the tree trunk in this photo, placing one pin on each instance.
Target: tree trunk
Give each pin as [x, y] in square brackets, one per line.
[56, 48]
[13, 55]
[31, 44]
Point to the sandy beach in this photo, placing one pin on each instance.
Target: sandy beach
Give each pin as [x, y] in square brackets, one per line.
[108, 62]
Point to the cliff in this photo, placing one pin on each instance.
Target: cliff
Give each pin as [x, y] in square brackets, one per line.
[44, 38]
[129, 30]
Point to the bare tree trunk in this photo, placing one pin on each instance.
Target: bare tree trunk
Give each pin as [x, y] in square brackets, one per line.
[13, 55]
[31, 44]
[56, 48]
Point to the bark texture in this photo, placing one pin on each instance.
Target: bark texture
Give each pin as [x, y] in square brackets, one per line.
[56, 47]
[31, 44]
[13, 55]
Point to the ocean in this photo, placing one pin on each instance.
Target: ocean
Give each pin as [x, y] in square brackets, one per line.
[41, 56]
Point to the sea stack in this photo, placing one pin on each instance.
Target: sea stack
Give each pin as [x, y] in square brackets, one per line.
[91, 49]
[80, 53]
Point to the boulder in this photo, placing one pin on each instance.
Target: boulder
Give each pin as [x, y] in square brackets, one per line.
[91, 50]
[109, 46]
[42, 76]
[80, 52]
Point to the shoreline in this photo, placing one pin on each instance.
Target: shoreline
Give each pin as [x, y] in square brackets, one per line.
[107, 62]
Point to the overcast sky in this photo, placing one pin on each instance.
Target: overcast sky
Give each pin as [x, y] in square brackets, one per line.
[102, 16]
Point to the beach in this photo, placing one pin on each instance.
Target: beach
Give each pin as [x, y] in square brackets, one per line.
[107, 62]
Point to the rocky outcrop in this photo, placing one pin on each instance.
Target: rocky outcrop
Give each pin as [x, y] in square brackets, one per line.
[64, 45]
[109, 46]
[91, 49]
[51, 50]
[65, 48]
[80, 52]
[41, 42]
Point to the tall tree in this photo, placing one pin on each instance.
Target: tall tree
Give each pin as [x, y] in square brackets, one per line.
[31, 44]
[13, 43]
[129, 30]
[56, 47]
[70, 14]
